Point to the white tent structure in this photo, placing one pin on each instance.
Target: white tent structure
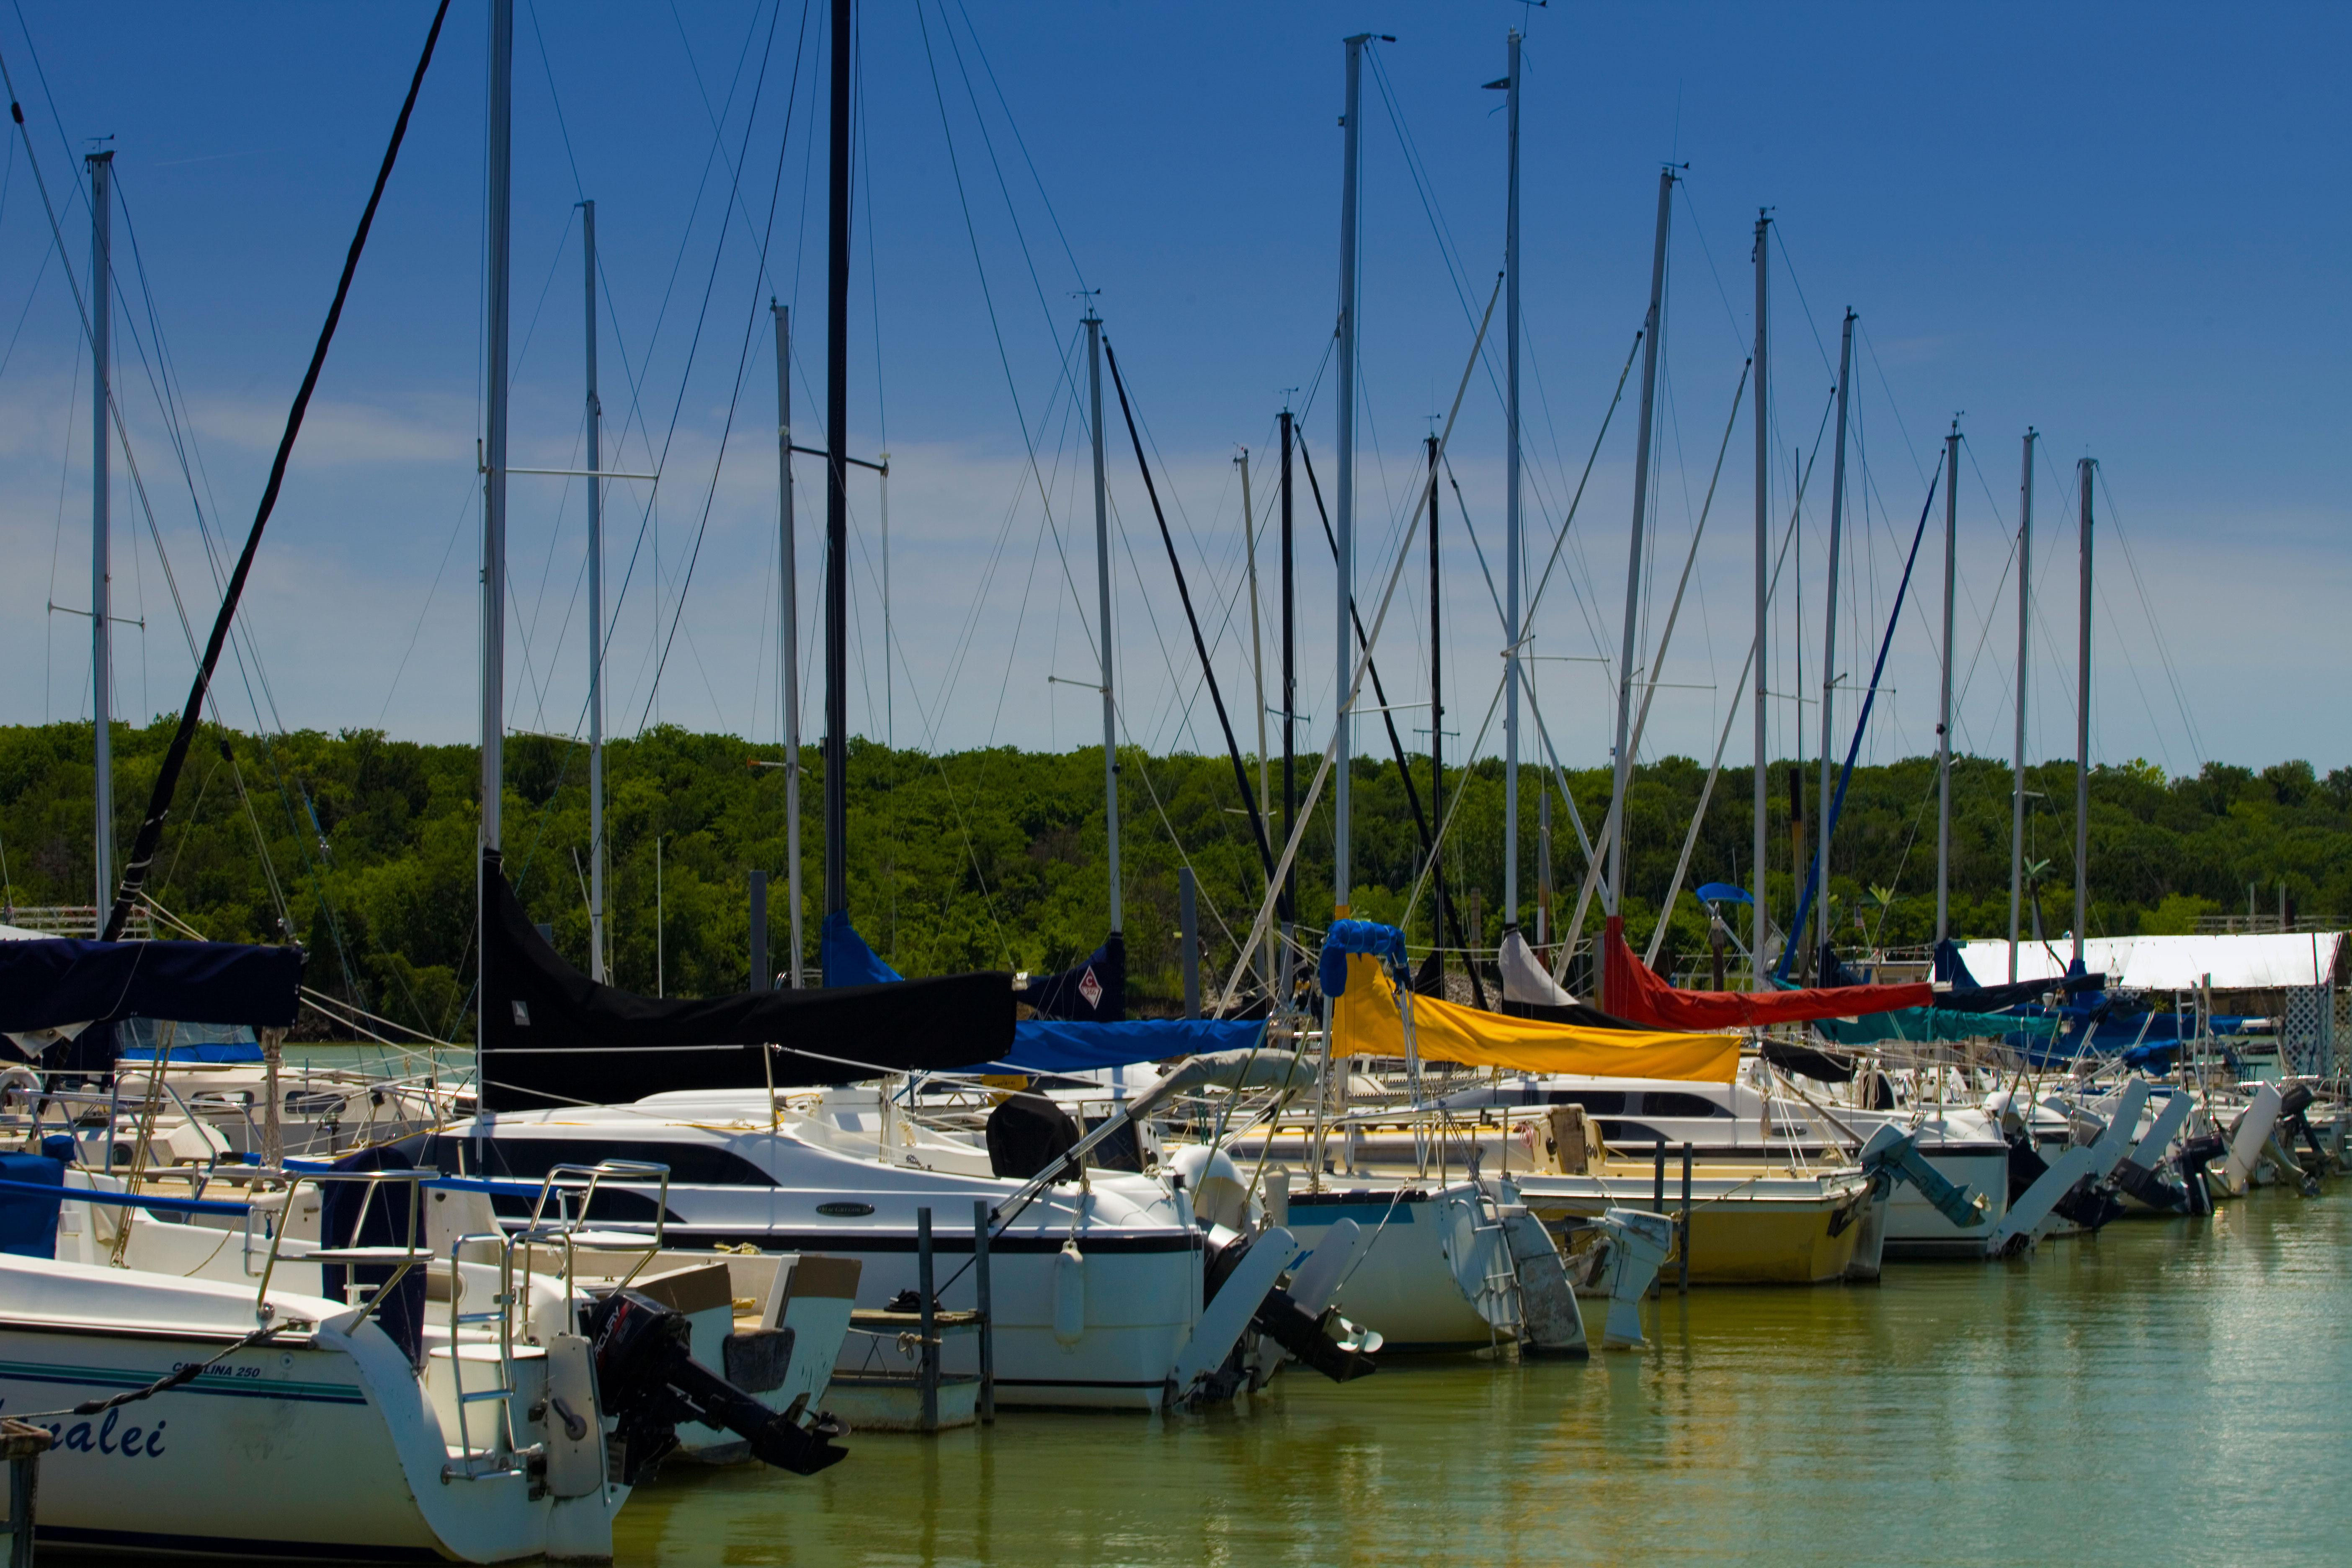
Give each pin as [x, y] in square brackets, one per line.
[2238, 961]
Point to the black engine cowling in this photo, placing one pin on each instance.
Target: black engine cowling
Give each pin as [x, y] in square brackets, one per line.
[648, 1379]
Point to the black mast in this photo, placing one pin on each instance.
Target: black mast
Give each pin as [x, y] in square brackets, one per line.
[836, 466]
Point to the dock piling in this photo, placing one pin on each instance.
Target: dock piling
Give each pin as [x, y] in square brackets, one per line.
[930, 1326]
[22, 1444]
[1683, 1241]
[1658, 1200]
[987, 1312]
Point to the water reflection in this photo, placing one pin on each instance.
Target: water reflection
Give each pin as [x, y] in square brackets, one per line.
[2168, 1390]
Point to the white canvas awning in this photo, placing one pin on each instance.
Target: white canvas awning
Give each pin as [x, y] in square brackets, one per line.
[2242, 962]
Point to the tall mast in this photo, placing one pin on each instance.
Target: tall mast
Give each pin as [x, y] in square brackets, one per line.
[1829, 637]
[1344, 512]
[101, 529]
[1944, 712]
[1758, 912]
[1436, 739]
[1514, 631]
[1258, 676]
[1102, 572]
[494, 449]
[2017, 769]
[595, 413]
[1289, 702]
[836, 474]
[2086, 470]
[788, 628]
[1624, 756]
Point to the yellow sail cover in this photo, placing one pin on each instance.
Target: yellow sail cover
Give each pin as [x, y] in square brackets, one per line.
[1365, 1022]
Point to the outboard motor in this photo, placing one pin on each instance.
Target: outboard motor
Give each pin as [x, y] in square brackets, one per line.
[2150, 1188]
[1327, 1342]
[648, 1379]
[2196, 1153]
[2090, 1206]
[2292, 1120]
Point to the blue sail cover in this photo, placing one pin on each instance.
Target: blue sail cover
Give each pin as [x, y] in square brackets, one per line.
[1057, 1045]
[1368, 936]
[1093, 991]
[843, 958]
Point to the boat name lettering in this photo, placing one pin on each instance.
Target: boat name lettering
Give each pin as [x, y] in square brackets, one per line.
[845, 1211]
[129, 1442]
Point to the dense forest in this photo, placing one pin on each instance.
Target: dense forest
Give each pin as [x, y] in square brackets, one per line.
[361, 849]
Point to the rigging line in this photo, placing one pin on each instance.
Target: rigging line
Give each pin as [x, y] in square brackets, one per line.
[143, 847]
[1379, 691]
[1568, 519]
[968, 635]
[57, 544]
[1014, 124]
[987, 297]
[734, 170]
[2137, 684]
[1741, 340]
[1184, 592]
[113, 406]
[742, 361]
[2147, 606]
[1892, 407]
[701, 319]
[1845, 773]
[579, 190]
[995, 166]
[1788, 263]
[1611, 821]
[1276, 877]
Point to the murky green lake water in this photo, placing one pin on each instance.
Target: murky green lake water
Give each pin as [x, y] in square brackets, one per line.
[2168, 1392]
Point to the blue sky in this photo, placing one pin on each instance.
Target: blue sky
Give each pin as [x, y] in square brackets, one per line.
[2124, 225]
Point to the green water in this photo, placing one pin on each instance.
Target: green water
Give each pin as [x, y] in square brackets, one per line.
[2168, 1392]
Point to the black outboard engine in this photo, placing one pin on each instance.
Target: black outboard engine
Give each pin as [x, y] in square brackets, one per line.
[2291, 1122]
[2150, 1188]
[2196, 1153]
[649, 1381]
[2090, 1206]
[1282, 1320]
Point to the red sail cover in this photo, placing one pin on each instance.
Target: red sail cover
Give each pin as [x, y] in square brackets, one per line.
[1632, 992]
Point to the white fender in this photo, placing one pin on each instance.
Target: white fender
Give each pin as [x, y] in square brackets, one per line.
[1069, 1295]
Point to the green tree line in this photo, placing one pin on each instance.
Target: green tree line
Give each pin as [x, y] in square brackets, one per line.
[362, 847]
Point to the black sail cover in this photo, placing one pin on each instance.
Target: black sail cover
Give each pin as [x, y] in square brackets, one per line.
[551, 1037]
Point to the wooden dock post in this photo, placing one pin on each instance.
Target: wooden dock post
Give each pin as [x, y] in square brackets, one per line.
[24, 1444]
[929, 1329]
[987, 1312]
[1685, 1247]
[1658, 1201]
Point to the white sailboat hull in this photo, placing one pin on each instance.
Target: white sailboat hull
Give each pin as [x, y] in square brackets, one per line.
[322, 1444]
